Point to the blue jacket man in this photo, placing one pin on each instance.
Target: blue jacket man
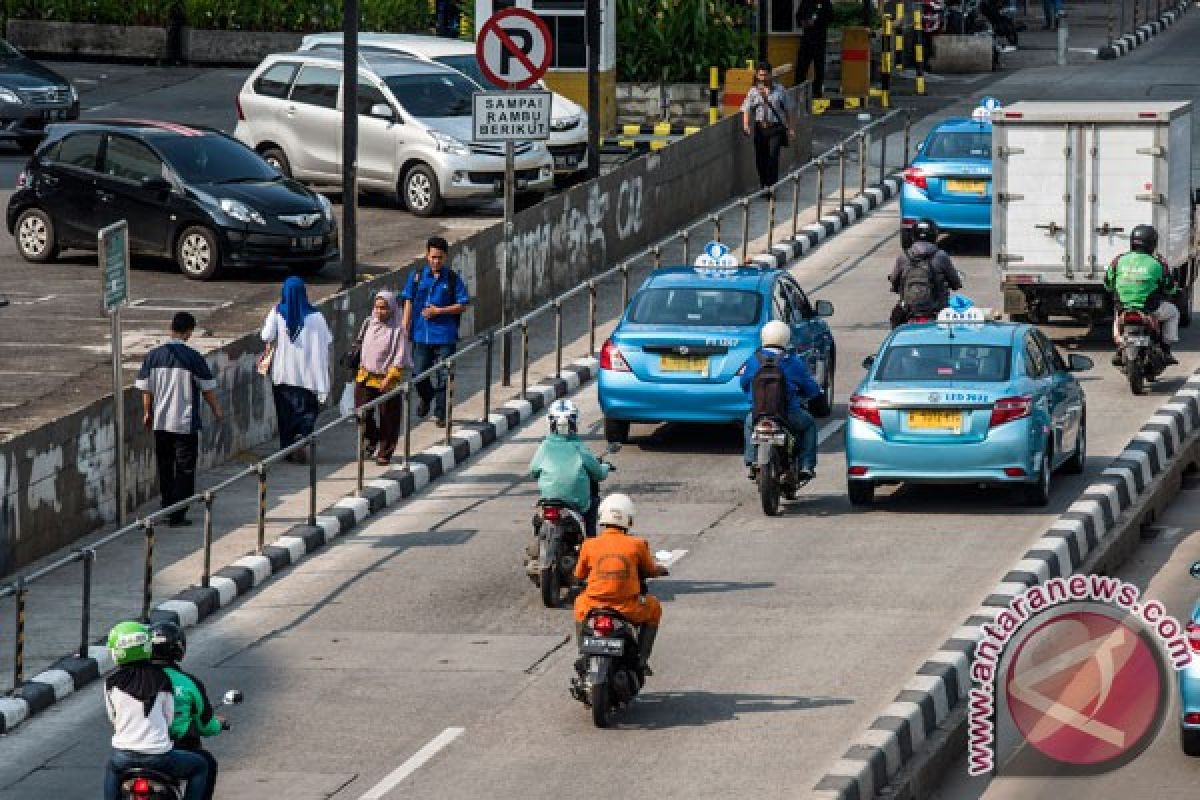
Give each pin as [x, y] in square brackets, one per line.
[435, 298]
[776, 336]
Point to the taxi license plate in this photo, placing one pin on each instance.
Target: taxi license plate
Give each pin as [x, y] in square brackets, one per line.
[698, 364]
[935, 421]
[968, 187]
[595, 646]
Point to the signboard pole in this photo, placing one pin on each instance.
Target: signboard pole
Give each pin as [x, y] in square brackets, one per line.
[113, 247]
[118, 412]
[349, 240]
[592, 16]
[506, 273]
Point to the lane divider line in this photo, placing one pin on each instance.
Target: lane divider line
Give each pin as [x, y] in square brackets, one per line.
[415, 762]
[671, 559]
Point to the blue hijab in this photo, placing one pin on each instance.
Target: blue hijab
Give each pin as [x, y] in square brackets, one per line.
[295, 306]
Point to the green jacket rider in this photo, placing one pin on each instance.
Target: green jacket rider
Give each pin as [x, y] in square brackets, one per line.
[1141, 280]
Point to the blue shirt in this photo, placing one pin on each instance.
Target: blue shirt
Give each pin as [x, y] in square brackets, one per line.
[424, 290]
[800, 383]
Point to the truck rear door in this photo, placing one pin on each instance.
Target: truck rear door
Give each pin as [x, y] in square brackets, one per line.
[1033, 172]
[1120, 180]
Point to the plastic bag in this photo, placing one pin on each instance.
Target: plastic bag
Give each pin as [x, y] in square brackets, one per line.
[346, 405]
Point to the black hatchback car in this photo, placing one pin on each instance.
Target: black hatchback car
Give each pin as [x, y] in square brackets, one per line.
[188, 193]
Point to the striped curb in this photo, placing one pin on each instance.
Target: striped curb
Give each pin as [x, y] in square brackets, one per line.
[1144, 33]
[808, 237]
[942, 683]
[193, 605]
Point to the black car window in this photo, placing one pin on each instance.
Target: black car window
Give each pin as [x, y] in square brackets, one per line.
[77, 150]
[369, 96]
[686, 305]
[213, 158]
[468, 65]
[276, 80]
[317, 86]
[433, 95]
[129, 159]
[799, 300]
[931, 363]
[8, 51]
[1035, 362]
[781, 301]
[960, 145]
[1053, 358]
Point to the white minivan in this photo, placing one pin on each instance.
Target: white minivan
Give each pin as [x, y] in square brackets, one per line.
[568, 120]
[414, 130]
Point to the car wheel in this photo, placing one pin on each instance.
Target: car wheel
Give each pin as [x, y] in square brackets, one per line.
[1078, 461]
[197, 253]
[36, 239]
[616, 430]
[420, 192]
[1037, 494]
[1190, 741]
[278, 160]
[861, 493]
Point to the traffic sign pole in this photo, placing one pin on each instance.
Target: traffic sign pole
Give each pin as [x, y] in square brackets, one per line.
[510, 174]
[349, 240]
[113, 247]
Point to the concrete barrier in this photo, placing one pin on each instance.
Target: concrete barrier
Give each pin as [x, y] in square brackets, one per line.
[235, 47]
[69, 39]
[57, 482]
[961, 53]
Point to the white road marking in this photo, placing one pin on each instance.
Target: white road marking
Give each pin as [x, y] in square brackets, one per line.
[670, 558]
[830, 430]
[414, 763]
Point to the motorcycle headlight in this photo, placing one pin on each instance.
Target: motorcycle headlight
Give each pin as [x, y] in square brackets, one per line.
[240, 211]
[326, 206]
[8, 96]
[564, 123]
[448, 144]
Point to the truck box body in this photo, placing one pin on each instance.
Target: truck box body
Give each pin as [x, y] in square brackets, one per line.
[1070, 181]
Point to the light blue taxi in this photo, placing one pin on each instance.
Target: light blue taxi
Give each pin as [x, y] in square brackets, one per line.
[678, 349]
[966, 400]
[1189, 683]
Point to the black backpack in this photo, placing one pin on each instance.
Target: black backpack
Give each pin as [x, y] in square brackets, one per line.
[768, 388]
[918, 286]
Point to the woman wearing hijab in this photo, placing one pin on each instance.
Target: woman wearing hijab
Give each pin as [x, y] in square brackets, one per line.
[300, 366]
[385, 357]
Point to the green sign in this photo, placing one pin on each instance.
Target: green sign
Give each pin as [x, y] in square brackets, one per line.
[114, 264]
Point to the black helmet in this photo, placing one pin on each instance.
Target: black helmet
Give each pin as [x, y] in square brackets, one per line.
[1144, 239]
[168, 642]
[925, 230]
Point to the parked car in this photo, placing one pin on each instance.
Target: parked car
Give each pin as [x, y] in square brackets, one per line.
[950, 178]
[568, 120]
[188, 193]
[680, 346]
[979, 403]
[414, 130]
[31, 97]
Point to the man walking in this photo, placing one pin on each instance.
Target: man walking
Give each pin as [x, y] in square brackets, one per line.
[767, 110]
[812, 21]
[435, 298]
[172, 378]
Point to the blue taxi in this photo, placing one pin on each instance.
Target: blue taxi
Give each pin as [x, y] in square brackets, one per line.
[950, 179]
[678, 349]
[966, 400]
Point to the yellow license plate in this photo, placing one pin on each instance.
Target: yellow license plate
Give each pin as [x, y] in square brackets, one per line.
[684, 364]
[935, 421]
[969, 187]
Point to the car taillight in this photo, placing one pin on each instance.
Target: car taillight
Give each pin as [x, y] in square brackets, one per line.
[603, 626]
[1191, 718]
[550, 513]
[914, 176]
[611, 358]
[1009, 408]
[237, 104]
[1014, 472]
[865, 408]
[140, 789]
[857, 471]
[1193, 636]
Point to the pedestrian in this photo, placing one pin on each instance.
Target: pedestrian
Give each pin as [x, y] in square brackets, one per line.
[435, 298]
[173, 377]
[447, 15]
[767, 115]
[813, 18]
[386, 354]
[299, 371]
[1053, 11]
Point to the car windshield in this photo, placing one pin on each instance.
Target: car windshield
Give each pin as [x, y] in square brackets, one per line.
[933, 363]
[466, 64]
[431, 95]
[212, 158]
[965, 144]
[692, 306]
[7, 50]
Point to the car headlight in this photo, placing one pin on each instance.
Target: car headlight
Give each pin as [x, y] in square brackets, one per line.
[564, 123]
[326, 206]
[448, 144]
[240, 211]
[9, 96]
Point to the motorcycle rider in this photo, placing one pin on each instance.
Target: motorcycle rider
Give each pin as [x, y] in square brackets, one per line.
[194, 714]
[139, 699]
[614, 564]
[923, 276]
[800, 386]
[1142, 280]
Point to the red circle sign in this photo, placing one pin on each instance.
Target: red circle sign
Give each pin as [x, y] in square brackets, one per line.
[514, 48]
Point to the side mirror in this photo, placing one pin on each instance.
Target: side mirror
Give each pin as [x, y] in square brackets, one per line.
[156, 184]
[1079, 363]
[868, 362]
[1196, 197]
[233, 697]
[382, 111]
[824, 308]
[1195, 570]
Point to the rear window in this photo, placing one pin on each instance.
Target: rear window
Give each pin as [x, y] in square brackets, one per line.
[967, 144]
[276, 80]
[930, 363]
[688, 306]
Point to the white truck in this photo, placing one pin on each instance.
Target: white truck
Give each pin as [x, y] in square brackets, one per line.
[1070, 181]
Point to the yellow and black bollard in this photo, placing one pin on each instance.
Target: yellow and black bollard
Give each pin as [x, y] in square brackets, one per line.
[714, 96]
[885, 67]
[899, 40]
[919, 50]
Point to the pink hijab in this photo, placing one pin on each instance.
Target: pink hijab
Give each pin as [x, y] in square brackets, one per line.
[385, 344]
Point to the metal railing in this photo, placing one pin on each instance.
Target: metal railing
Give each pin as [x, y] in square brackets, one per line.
[260, 471]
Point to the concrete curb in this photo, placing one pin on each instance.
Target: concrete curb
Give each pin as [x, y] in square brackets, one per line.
[808, 237]
[1144, 33]
[932, 701]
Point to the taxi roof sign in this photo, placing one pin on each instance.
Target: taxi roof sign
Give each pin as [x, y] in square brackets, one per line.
[716, 255]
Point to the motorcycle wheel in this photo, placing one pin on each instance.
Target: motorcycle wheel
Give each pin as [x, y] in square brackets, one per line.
[1137, 378]
[768, 489]
[549, 584]
[600, 705]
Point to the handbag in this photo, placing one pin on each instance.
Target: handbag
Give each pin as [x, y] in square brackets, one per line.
[265, 359]
[352, 358]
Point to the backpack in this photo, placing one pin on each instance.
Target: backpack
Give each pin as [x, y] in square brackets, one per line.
[918, 286]
[768, 388]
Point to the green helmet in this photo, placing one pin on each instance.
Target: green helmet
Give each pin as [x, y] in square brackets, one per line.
[129, 642]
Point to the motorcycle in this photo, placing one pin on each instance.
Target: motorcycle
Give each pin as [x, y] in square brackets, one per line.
[1142, 355]
[139, 783]
[775, 463]
[608, 672]
[560, 531]
[1003, 19]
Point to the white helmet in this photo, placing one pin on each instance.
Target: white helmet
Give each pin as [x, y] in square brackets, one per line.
[776, 333]
[616, 510]
[563, 417]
